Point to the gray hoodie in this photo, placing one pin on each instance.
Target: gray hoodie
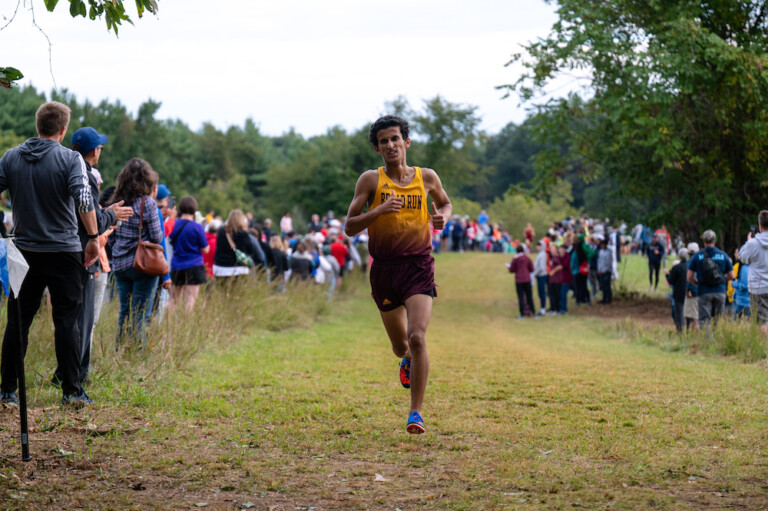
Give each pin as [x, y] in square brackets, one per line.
[755, 254]
[540, 264]
[46, 182]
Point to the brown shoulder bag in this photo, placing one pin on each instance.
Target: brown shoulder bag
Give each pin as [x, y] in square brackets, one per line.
[150, 258]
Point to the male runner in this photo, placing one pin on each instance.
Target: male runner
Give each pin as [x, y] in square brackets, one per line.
[403, 272]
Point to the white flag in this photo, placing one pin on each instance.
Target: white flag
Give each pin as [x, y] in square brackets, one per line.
[17, 267]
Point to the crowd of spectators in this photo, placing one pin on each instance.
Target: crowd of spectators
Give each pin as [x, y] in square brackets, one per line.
[581, 255]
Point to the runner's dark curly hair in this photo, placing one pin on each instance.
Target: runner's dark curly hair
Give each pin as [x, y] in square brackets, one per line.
[387, 122]
[137, 179]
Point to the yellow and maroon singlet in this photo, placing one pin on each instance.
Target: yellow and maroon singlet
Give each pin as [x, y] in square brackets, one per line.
[405, 233]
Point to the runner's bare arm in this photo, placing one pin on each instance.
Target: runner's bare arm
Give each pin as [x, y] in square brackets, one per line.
[364, 190]
[442, 204]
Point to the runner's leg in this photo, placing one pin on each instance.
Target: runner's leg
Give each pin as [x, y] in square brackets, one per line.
[418, 309]
[396, 325]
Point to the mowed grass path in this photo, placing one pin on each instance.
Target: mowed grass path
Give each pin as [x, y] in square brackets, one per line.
[552, 412]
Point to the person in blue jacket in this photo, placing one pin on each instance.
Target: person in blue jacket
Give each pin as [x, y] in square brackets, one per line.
[741, 291]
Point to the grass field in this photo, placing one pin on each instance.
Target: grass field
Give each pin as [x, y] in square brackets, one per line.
[550, 413]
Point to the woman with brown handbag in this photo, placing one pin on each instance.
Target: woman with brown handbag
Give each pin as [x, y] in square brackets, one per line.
[136, 277]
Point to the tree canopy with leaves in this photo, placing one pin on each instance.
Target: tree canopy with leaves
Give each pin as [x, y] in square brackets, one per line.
[675, 109]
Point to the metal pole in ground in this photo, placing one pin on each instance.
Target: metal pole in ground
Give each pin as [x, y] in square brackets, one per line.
[22, 388]
[17, 271]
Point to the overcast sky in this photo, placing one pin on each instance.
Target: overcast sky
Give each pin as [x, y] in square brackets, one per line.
[304, 64]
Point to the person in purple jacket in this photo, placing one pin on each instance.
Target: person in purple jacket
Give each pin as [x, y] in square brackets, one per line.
[189, 244]
[522, 267]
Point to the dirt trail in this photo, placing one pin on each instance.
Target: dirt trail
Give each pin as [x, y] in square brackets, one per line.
[643, 309]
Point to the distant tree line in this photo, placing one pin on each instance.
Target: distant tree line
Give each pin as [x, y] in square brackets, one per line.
[269, 175]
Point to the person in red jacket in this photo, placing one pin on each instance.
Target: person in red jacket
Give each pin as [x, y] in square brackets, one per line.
[522, 267]
[339, 252]
[210, 234]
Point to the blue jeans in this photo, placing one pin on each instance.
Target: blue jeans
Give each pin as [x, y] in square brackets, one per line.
[542, 285]
[136, 291]
[741, 311]
[564, 288]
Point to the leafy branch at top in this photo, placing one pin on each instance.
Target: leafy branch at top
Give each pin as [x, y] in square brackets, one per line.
[114, 14]
[8, 75]
[113, 10]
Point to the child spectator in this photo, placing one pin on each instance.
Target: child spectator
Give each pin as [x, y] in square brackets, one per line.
[210, 235]
[741, 290]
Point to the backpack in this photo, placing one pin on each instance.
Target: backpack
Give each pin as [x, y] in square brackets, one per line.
[711, 274]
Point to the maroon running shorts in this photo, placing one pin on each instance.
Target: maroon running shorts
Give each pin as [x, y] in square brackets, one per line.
[393, 282]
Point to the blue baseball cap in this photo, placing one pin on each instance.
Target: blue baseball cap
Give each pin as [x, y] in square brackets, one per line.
[162, 192]
[88, 139]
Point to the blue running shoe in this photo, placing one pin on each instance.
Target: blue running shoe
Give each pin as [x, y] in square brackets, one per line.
[415, 424]
[405, 373]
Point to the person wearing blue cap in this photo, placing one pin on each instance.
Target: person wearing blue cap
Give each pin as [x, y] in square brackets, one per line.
[89, 142]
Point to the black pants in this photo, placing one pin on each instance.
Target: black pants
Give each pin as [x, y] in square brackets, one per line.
[581, 290]
[653, 268]
[605, 287]
[85, 326]
[677, 315]
[554, 296]
[525, 298]
[62, 274]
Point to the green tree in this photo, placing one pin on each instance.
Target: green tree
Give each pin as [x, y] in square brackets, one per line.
[466, 207]
[675, 109]
[509, 154]
[17, 110]
[448, 139]
[223, 196]
[321, 177]
[515, 209]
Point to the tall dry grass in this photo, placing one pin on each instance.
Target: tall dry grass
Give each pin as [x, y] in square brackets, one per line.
[221, 315]
[737, 338]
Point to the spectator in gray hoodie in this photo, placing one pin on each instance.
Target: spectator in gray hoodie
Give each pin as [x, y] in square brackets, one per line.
[542, 276]
[605, 271]
[49, 189]
[755, 254]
